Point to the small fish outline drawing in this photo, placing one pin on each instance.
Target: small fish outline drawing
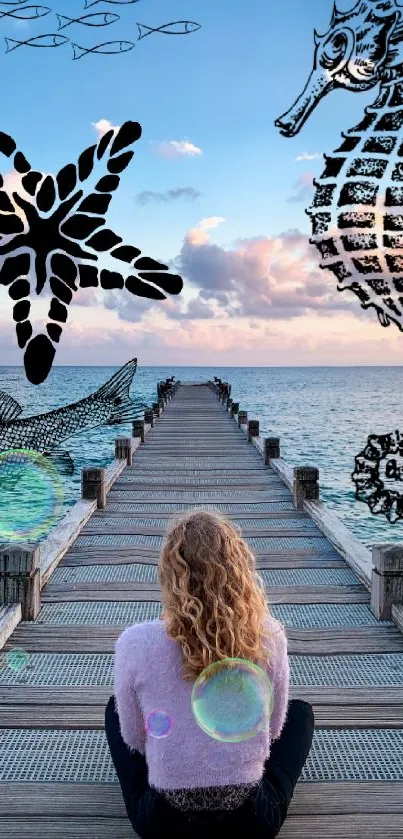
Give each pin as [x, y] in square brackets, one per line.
[109, 405]
[120, 47]
[108, 18]
[58, 41]
[188, 26]
[18, 14]
[12, 2]
[89, 3]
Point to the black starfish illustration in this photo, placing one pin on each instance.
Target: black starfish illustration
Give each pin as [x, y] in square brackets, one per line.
[61, 247]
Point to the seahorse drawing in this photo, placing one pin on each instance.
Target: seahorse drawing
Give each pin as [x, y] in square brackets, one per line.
[357, 210]
[58, 238]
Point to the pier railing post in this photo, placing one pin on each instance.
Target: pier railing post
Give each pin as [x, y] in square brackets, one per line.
[138, 429]
[20, 578]
[149, 417]
[242, 417]
[253, 429]
[271, 449]
[93, 486]
[124, 449]
[161, 404]
[305, 485]
[156, 409]
[229, 403]
[234, 408]
[387, 579]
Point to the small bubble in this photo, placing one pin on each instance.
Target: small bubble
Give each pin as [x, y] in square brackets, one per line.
[159, 723]
[17, 659]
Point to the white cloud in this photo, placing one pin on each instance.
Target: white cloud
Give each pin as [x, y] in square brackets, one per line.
[308, 156]
[197, 235]
[103, 126]
[178, 148]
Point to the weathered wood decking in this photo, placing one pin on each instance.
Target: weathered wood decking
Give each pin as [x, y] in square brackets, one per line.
[56, 777]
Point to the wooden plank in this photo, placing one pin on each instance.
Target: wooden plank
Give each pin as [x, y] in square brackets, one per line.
[21, 695]
[91, 717]
[64, 826]
[140, 591]
[141, 485]
[102, 639]
[133, 529]
[126, 556]
[10, 617]
[363, 826]
[175, 496]
[113, 512]
[104, 800]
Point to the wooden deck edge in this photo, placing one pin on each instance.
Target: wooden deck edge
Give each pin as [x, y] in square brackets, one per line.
[59, 540]
[69, 528]
[352, 550]
[357, 556]
[10, 617]
[397, 616]
[53, 548]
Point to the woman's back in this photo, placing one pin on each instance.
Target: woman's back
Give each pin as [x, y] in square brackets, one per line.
[148, 679]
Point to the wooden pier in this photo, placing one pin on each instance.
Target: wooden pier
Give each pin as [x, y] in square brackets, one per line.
[65, 604]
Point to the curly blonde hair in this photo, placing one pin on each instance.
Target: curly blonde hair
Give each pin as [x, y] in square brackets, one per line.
[214, 603]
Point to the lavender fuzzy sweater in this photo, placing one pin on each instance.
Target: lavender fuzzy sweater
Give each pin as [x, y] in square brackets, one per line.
[148, 677]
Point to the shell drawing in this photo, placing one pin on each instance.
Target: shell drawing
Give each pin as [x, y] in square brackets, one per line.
[357, 209]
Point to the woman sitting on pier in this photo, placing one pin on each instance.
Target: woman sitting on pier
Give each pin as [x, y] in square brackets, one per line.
[182, 774]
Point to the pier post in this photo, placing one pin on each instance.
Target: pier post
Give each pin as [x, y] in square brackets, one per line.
[271, 449]
[138, 429]
[161, 404]
[234, 408]
[124, 449]
[387, 579]
[242, 418]
[156, 409]
[305, 485]
[229, 403]
[149, 417]
[253, 429]
[93, 486]
[20, 578]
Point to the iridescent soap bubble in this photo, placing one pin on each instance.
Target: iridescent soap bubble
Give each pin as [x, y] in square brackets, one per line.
[17, 659]
[232, 700]
[159, 723]
[31, 496]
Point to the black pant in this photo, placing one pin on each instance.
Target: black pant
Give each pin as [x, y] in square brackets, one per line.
[260, 816]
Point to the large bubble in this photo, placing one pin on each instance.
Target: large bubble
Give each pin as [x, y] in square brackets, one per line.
[232, 700]
[31, 495]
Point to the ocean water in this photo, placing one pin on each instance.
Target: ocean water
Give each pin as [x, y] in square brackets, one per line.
[323, 416]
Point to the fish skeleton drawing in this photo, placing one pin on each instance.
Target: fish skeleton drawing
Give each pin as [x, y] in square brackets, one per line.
[55, 246]
[109, 48]
[177, 27]
[110, 405]
[357, 210]
[21, 14]
[89, 3]
[50, 40]
[96, 19]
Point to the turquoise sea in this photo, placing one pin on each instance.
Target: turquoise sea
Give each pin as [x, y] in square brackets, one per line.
[323, 416]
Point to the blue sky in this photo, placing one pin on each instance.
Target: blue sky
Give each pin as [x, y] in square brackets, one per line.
[219, 89]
